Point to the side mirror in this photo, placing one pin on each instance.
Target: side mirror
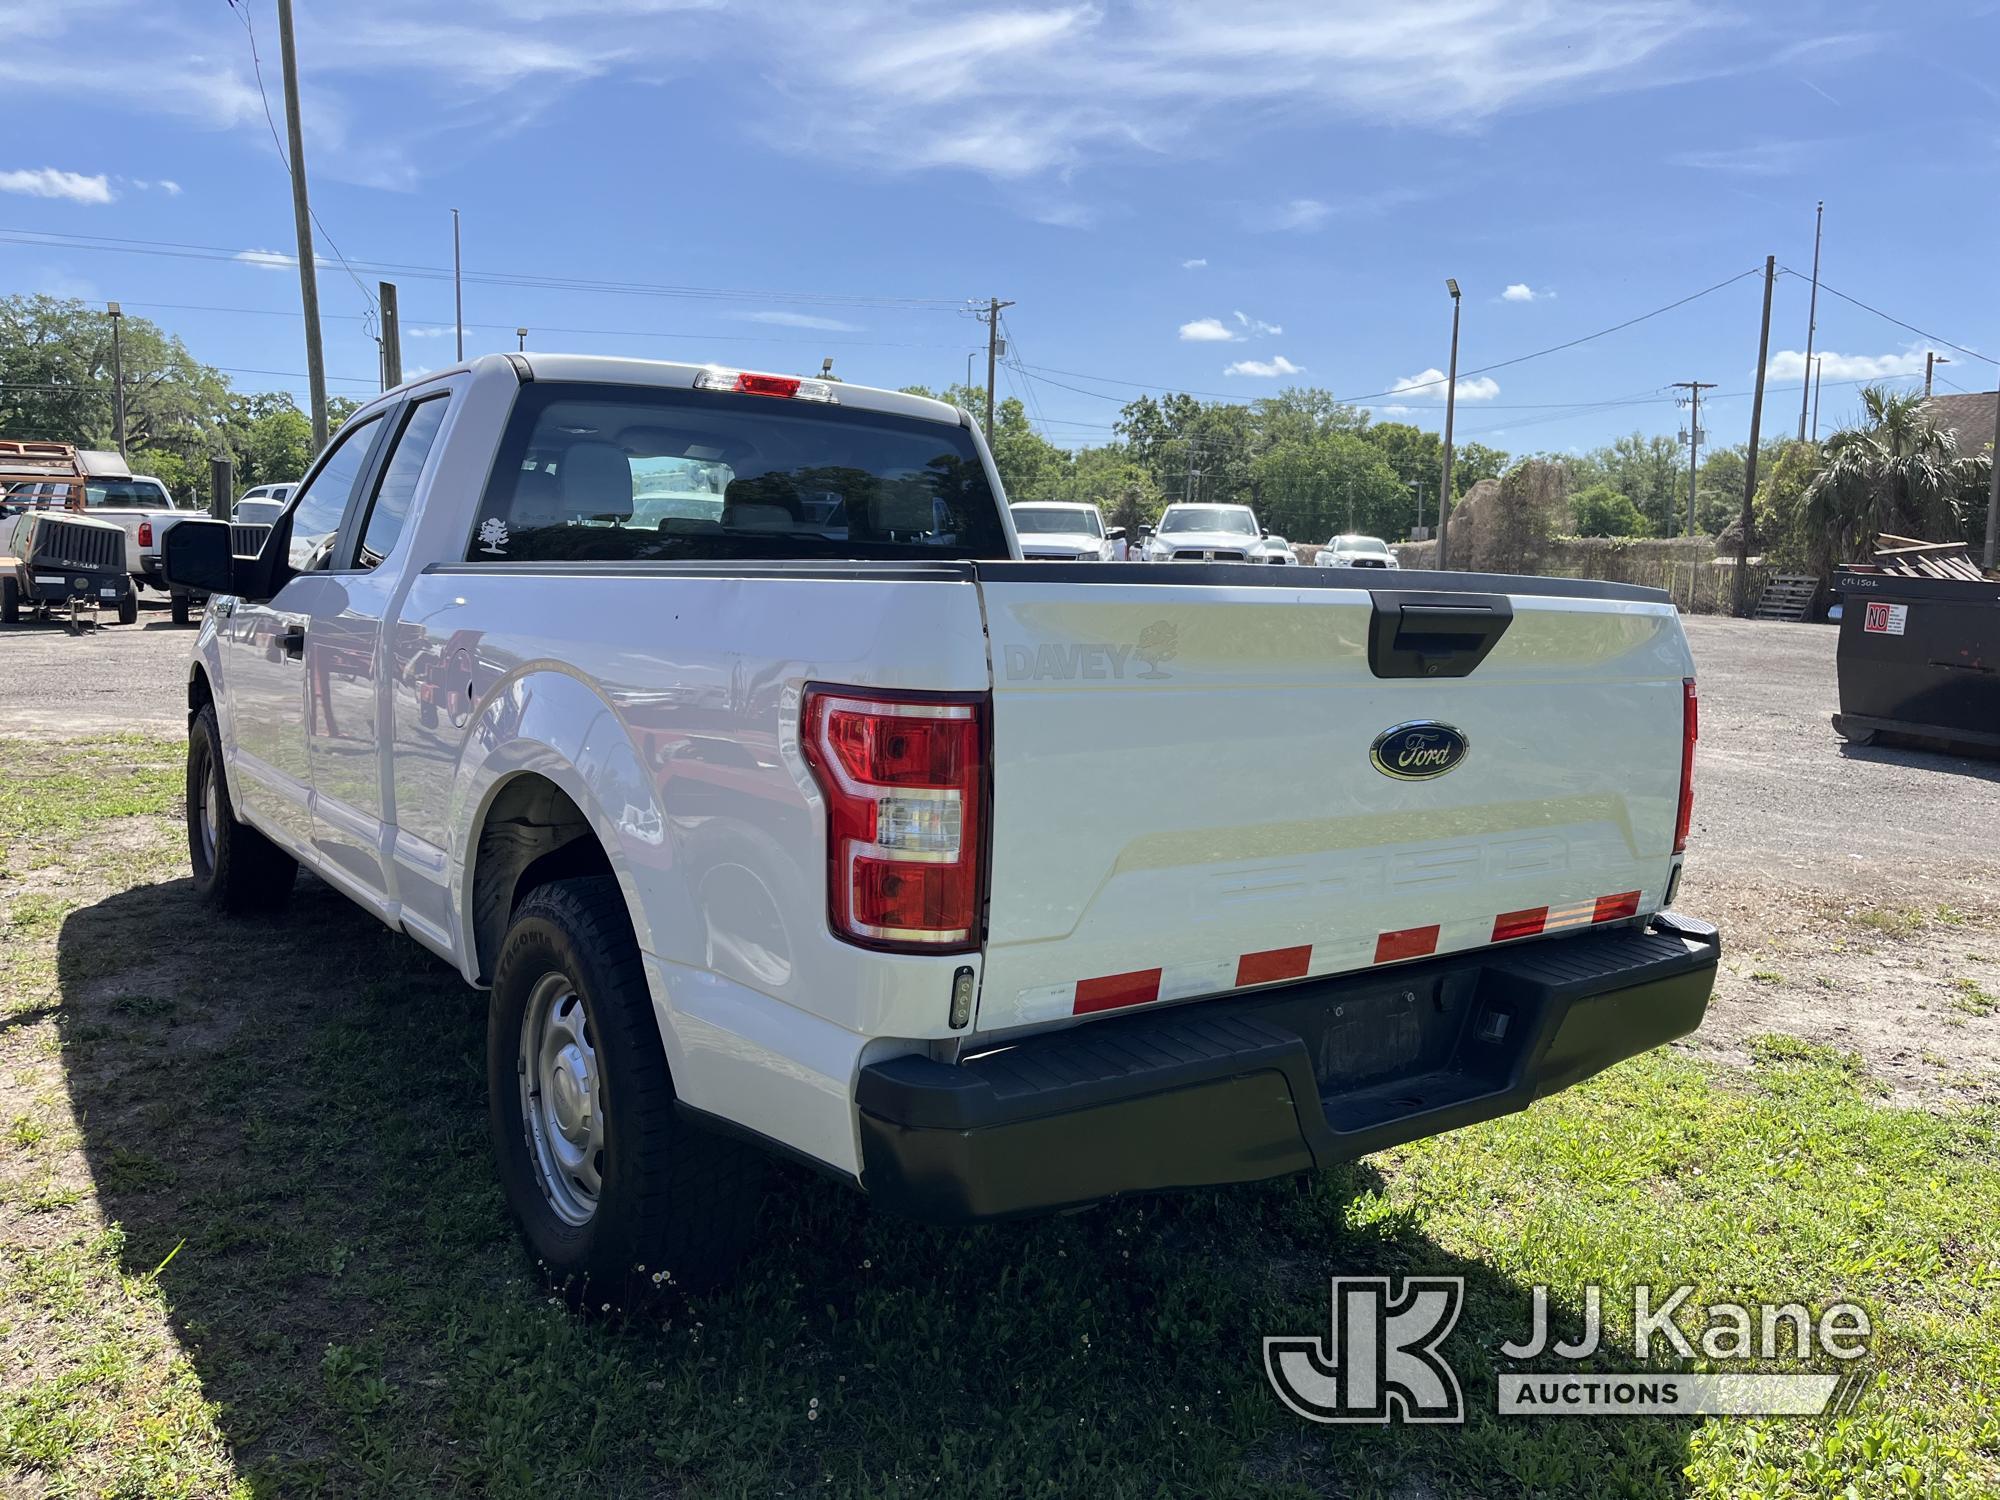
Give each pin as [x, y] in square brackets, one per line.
[196, 555]
[1145, 531]
[1114, 533]
[1263, 531]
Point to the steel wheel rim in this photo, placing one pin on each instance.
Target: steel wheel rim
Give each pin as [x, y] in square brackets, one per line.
[211, 815]
[562, 1099]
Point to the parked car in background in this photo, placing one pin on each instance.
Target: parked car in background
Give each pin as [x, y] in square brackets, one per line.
[1275, 549]
[804, 830]
[277, 492]
[1207, 533]
[1071, 531]
[258, 510]
[145, 510]
[1349, 551]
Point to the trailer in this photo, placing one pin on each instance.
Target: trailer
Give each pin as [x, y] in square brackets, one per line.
[55, 561]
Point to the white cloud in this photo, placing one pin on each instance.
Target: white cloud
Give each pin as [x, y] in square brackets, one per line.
[269, 260]
[51, 182]
[1430, 385]
[1207, 331]
[1300, 213]
[1759, 159]
[432, 331]
[1790, 365]
[1006, 91]
[1520, 291]
[1194, 265]
[1392, 411]
[1256, 326]
[805, 320]
[168, 186]
[1265, 369]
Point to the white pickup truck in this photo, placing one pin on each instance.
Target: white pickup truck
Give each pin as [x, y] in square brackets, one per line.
[820, 821]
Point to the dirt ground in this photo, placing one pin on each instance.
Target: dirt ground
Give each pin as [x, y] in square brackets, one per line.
[1858, 890]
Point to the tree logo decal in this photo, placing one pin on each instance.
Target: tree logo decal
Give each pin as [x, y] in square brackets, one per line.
[1158, 642]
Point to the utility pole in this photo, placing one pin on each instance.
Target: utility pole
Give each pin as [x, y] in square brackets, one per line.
[1450, 409]
[302, 223]
[117, 316]
[1932, 360]
[1417, 488]
[992, 321]
[457, 288]
[1993, 491]
[1819, 368]
[1694, 388]
[1756, 436]
[1812, 315]
[392, 336]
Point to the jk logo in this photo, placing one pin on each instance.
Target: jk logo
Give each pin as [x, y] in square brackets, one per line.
[1379, 1352]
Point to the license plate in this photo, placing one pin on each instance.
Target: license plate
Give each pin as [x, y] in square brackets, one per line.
[109, 593]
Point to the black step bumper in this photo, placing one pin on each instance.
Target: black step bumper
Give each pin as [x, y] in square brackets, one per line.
[1235, 1090]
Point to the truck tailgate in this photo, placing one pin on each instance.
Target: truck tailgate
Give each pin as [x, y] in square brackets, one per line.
[1185, 802]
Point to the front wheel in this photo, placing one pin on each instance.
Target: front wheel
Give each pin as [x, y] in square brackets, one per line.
[180, 606]
[128, 608]
[235, 866]
[615, 1192]
[10, 602]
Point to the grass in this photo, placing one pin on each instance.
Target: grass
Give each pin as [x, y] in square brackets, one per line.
[253, 1246]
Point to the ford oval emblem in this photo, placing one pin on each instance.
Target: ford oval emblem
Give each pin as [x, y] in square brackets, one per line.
[1419, 750]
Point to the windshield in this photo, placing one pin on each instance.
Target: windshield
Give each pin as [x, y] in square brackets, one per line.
[619, 473]
[137, 494]
[1210, 518]
[1072, 519]
[1360, 544]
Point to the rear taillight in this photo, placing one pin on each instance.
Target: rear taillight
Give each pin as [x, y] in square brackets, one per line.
[145, 533]
[904, 780]
[1688, 736]
[750, 383]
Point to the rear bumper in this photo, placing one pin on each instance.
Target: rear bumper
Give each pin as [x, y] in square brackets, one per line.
[1274, 1083]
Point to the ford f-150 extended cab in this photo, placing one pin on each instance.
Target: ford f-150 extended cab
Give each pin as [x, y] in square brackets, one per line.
[817, 819]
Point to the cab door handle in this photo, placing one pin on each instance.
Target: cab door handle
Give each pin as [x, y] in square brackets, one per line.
[292, 641]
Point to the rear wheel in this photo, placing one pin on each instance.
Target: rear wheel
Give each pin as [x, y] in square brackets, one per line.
[128, 608]
[180, 606]
[235, 866]
[615, 1192]
[10, 602]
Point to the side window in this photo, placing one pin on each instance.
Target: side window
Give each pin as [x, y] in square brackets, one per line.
[316, 515]
[391, 506]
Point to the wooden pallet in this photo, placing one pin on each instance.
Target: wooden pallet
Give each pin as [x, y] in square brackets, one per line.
[1786, 596]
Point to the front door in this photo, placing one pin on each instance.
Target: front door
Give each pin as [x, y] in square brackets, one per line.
[264, 658]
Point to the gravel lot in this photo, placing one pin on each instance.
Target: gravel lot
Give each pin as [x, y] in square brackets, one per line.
[1858, 889]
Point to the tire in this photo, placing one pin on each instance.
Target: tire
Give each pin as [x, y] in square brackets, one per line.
[671, 1201]
[10, 602]
[128, 608]
[235, 867]
[180, 605]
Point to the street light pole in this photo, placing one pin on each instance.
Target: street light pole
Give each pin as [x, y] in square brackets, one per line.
[1417, 488]
[1812, 311]
[457, 288]
[521, 334]
[117, 315]
[1450, 408]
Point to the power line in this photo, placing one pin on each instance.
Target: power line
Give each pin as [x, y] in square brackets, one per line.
[184, 251]
[1891, 318]
[257, 68]
[1416, 386]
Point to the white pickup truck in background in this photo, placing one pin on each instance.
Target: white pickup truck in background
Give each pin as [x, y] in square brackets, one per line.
[816, 819]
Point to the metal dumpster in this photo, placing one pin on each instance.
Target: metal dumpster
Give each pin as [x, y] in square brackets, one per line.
[1920, 658]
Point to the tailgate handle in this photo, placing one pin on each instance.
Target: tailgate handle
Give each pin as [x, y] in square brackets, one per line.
[1418, 633]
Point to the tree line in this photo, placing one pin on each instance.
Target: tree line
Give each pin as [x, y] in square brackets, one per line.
[56, 384]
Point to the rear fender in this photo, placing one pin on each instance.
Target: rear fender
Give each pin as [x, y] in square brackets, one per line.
[551, 724]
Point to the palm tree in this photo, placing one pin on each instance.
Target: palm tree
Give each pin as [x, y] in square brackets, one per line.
[1897, 472]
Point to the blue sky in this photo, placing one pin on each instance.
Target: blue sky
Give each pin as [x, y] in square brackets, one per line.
[1223, 198]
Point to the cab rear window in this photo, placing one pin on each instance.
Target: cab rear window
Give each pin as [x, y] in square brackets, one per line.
[610, 473]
